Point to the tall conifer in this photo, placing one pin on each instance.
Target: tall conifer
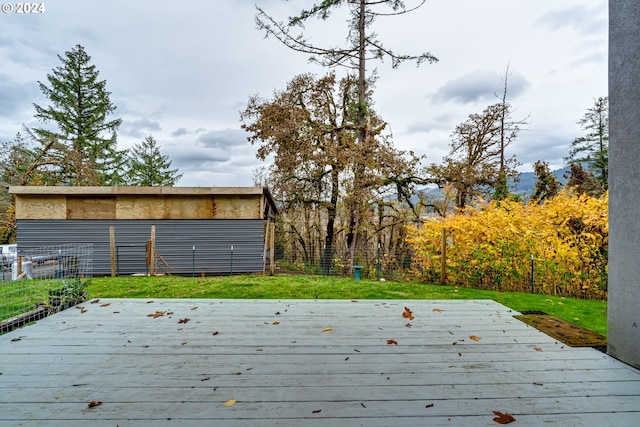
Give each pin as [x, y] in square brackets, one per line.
[81, 146]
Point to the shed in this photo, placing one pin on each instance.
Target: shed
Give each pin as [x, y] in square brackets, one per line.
[189, 230]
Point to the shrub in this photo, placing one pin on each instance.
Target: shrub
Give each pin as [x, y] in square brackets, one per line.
[490, 246]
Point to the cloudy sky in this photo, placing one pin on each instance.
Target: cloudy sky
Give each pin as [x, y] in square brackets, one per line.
[182, 71]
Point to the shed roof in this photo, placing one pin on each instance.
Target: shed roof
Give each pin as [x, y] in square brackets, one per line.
[174, 191]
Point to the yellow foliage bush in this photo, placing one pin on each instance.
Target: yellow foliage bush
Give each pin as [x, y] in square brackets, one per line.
[492, 246]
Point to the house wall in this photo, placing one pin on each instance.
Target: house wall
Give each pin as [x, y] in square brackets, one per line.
[174, 240]
[624, 178]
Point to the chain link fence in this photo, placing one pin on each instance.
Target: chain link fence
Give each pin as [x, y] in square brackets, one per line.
[36, 282]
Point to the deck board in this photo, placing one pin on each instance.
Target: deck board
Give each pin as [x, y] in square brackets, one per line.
[454, 363]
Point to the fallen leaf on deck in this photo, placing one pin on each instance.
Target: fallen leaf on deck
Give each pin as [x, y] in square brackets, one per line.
[501, 418]
[537, 348]
[205, 379]
[474, 338]
[275, 323]
[215, 333]
[95, 301]
[194, 308]
[277, 313]
[185, 320]
[430, 405]
[392, 342]
[16, 339]
[79, 307]
[105, 305]
[229, 402]
[84, 310]
[438, 310]
[94, 403]
[317, 411]
[156, 314]
[327, 330]
[407, 313]
[362, 404]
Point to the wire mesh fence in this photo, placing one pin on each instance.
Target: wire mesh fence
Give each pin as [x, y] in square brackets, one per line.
[366, 263]
[39, 281]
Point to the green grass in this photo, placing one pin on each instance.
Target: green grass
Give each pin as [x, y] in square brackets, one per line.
[20, 296]
[589, 314]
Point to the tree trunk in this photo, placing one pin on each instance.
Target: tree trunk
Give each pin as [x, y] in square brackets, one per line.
[331, 219]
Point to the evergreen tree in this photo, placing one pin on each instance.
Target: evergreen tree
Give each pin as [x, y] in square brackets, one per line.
[547, 185]
[83, 148]
[584, 182]
[593, 148]
[148, 167]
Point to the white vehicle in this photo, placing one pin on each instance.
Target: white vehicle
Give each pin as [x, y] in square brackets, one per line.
[8, 253]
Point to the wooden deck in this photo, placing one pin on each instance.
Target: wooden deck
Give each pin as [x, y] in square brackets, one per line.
[454, 364]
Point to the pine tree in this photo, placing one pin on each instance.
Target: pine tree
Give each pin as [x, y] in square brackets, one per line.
[148, 167]
[83, 148]
[593, 148]
[547, 185]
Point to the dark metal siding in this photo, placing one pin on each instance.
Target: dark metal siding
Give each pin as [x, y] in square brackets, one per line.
[175, 240]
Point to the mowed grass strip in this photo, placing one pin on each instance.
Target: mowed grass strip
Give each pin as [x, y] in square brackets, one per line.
[589, 314]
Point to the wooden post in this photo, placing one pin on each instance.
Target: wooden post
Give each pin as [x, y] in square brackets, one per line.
[152, 252]
[272, 249]
[267, 240]
[112, 250]
[443, 258]
[148, 255]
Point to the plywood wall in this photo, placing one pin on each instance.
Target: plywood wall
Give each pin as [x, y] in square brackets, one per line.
[229, 207]
[41, 207]
[91, 207]
[138, 207]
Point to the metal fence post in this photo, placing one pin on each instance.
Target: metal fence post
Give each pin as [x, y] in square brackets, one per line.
[193, 262]
[59, 264]
[532, 274]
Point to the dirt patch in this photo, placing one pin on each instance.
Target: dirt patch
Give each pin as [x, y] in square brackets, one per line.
[562, 330]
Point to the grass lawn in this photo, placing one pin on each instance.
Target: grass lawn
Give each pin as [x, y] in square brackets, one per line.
[589, 314]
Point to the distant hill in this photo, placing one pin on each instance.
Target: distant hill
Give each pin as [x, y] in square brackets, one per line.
[527, 181]
[523, 187]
